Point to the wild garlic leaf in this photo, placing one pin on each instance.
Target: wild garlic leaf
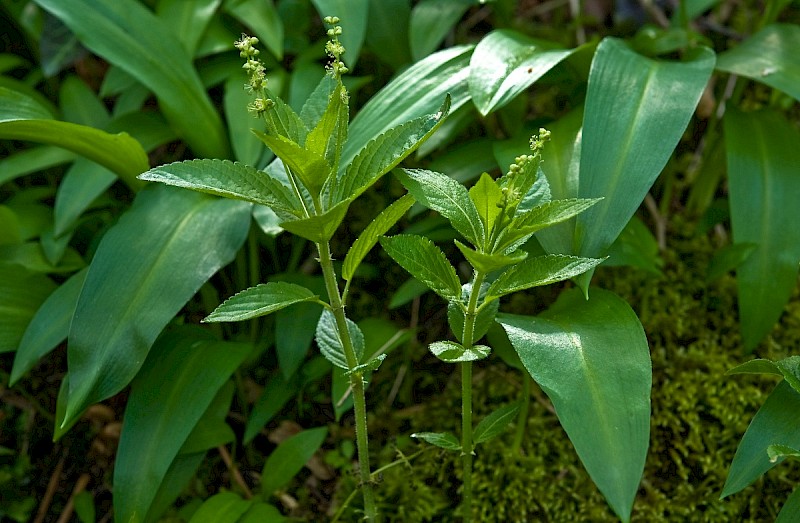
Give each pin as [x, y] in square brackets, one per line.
[312, 168]
[425, 261]
[447, 197]
[490, 262]
[452, 352]
[229, 179]
[541, 270]
[443, 440]
[386, 151]
[260, 300]
[321, 227]
[330, 344]
[494, 424]
[483, 322]
[369, 237]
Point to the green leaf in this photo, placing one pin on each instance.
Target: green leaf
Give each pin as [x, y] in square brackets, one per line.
[486, 196]
[776, 422]
[247, 147]
[188, 19]
[483, 322]
[446, 196]
[353, 21]
[145, 269]
[490, 262]
[757, 366]
[791, 509]
[321, 227]
[443, 440]
[222, 507]
[277, 392]
[48, 327]
[387, 150]
[262, 513]
[591, 358]
[327, 138]
[728, 258]
[790, 368]
[622, 156]
[32, 160]
[388, 34]
[452, 352]
[281, 120]
[769, 57]
[211, 430]
[505, 63]
[424, 261]
[176, 385]
[763, 152]
[130, 36]
[541, 270]
[21, 296]
[312, 168]
[330, 344]
[263, 18]
[430, 22]
[263, 299]
[495, 423]
[22, 118]
[369, 237]
[228, 179]
[776, 452]
[289, 457]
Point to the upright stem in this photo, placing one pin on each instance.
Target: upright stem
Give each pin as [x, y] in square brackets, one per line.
[356, 379]
[522, 418]
[466, 394]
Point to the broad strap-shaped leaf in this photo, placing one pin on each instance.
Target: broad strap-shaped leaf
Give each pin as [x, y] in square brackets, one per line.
[541, 270]
[490, 262]
[49, 326]
[591, 358]
[130, 36]
[446, 196]
[228, 179]
[320, 227]
[540, 217]
[312, 168]
[443, 440]
[145, 269]
[505, 63]
[188, 19]
[369, 237]
[289, 457]
[424, 261]
[22, 294]
[225, 506]
[776, 422]
[22, 118]
[176, 385]
[495, 423]
[452, 352]
[763, 154]
[330, 343]
[387, 150]
[431, 21]
[769, 56]
[790, 511]
[260, 300]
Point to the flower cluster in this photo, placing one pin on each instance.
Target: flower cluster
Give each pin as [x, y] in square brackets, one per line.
[257, 78]
[334, 48]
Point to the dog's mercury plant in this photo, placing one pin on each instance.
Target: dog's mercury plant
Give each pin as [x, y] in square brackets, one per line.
[496, 218]
[310, 190]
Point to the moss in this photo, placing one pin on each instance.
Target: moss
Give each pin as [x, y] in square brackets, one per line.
[698, 417]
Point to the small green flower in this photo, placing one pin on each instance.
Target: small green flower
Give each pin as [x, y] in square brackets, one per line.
[334, 48]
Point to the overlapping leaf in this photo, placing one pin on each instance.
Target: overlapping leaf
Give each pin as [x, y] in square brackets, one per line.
[541, 270]
[425, 261]
[260, 300]
[330, 344]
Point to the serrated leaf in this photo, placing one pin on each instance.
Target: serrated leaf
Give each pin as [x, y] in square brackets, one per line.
[486, 196]
[776, 452]
[541, 270]
[490, 262]
[494, 424]
[790, 368]
[447, 197]
[369, 237]
[443, 440]
[281, 120]
[387, 150]
[330, 344]
[260, 300]
[370, 366]
[452, 352]
[425, 261]
[229, 179]
[483, 321]
[330, 134]
[321, 227]
[312, 168]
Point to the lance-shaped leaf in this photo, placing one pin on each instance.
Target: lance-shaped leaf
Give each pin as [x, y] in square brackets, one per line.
[387, 150]
[168, 398]
[452, 352]
[225, 506]
[22, 118]
[763, 152]
[494, 424]
[145, 269]
[443, 440]
[330, 134]
[424, 261]
[281, 120]
[490, 262]
[591, 358]
[228, 179]
[769, 57]
[130, 36]
[289, 457]
[330, 343]
[486, 195]
[446, 196]
[21, 296]
[320, 227]
[260, 300]
[541, 270]
[776, 422]
[790, 511]
[369, 237]
[505, 63]
[456, 314]
[312, 168]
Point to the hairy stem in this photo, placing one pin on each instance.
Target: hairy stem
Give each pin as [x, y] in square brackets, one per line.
[356, 379]
[522, 417]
